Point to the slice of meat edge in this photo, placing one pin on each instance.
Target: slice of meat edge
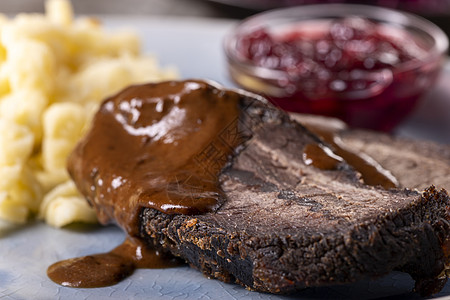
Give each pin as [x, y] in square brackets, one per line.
[287, 225]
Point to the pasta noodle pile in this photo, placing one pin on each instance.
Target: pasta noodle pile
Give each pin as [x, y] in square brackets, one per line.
[54, 72]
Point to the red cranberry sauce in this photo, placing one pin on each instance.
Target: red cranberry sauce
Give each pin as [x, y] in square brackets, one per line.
[344, 68]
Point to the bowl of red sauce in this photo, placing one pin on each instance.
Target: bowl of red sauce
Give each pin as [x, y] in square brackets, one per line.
[366, 65]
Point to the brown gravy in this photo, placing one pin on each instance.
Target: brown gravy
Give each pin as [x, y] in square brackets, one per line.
[165, 130]
[320, 157]
[371, 171]
[177, 137]
[109, 268]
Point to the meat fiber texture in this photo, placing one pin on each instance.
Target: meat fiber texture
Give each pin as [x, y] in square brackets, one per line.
[416, 164]
[287, 225]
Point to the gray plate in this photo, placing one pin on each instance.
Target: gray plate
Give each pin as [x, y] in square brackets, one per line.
[194, 46]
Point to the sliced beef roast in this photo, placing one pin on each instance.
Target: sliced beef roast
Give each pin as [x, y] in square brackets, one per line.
[289, 213]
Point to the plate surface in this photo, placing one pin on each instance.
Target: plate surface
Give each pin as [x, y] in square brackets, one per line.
[194, 47]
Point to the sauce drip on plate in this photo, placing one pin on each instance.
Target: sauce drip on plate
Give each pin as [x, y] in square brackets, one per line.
[109, 268]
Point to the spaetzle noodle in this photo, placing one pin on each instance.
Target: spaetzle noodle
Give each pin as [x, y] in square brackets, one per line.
[54, 72]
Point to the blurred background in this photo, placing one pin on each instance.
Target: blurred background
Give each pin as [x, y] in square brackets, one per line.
[438, 11]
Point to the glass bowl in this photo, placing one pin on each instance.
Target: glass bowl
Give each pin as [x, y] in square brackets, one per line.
[366, 65]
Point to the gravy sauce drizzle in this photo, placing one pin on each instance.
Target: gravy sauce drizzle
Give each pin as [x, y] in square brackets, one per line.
[109, 268]
[321, 157]
[143, 150]
[144, 147]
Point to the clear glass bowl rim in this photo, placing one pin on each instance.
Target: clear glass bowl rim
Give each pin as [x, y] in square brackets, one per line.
[337, 10]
